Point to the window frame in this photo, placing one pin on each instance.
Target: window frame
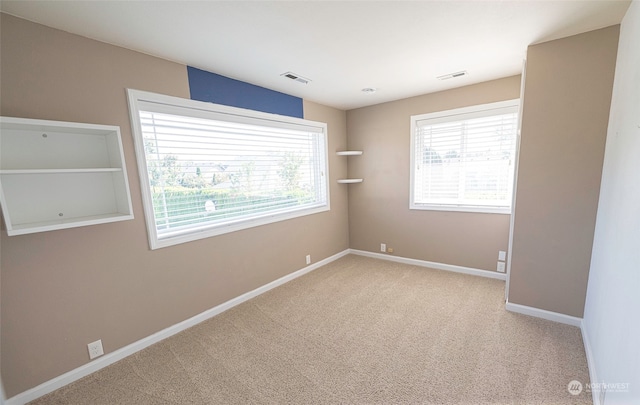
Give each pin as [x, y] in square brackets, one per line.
[460, 114]
[199, 109]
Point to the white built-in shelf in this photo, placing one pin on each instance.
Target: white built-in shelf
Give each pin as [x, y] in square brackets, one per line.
[54, 171]
[56, 175]
[20, 229]
[349, 153]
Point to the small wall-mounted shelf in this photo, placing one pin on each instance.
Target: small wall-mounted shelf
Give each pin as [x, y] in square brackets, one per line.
[56, 175]
[349, 153]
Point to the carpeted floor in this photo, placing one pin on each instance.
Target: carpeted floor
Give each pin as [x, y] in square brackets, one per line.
[357, 331]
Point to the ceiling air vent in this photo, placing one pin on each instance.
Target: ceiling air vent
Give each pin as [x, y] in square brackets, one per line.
[297, 78]
[452, 75]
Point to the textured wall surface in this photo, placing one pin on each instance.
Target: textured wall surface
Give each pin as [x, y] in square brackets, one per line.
[379, 207]
[64, 289]
[567, 96]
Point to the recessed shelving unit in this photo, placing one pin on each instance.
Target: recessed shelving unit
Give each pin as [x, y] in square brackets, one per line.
[57, 175]
[349, 153]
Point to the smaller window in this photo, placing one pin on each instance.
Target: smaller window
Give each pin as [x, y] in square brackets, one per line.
[464, 159]
[208, 169]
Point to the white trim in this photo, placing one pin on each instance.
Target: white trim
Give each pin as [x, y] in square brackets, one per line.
[483, 209]
[457, 114]
[512, 220]
[544, 314]
[145, 101]
[591, 364]
[110, 358]
[432, 265]
[472, 111]
[567, 320]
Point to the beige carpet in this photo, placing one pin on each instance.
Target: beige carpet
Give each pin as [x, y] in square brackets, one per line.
[357, 331]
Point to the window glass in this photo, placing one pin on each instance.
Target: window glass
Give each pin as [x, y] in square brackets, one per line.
[465, 159]
[211, 169]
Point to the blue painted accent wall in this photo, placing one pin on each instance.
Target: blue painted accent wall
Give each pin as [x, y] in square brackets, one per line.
[214, 88]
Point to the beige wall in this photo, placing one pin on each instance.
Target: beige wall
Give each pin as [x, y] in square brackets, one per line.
[568, 88]
[379, 207]
[63, 289]
[66, 288]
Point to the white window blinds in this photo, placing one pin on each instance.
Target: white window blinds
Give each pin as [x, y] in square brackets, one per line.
[219, 171]
[465, 159]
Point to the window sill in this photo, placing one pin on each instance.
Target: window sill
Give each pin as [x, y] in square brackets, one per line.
[462, 208]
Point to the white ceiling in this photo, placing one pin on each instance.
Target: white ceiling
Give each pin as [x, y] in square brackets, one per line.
[398, 47]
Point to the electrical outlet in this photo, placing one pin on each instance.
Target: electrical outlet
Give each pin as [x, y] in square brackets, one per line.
[501, 267]
[502, 255]
[389, 250]
[95, 349]
[308, 259]
[383, 247]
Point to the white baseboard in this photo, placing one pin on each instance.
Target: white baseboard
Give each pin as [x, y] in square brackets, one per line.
[544, 314]
[521, 309]
[432, 265]
[110, 358]
[568, 320]
[591, 364]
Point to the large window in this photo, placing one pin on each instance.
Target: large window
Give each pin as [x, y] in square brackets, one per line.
[464, 159]
[208, 169]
